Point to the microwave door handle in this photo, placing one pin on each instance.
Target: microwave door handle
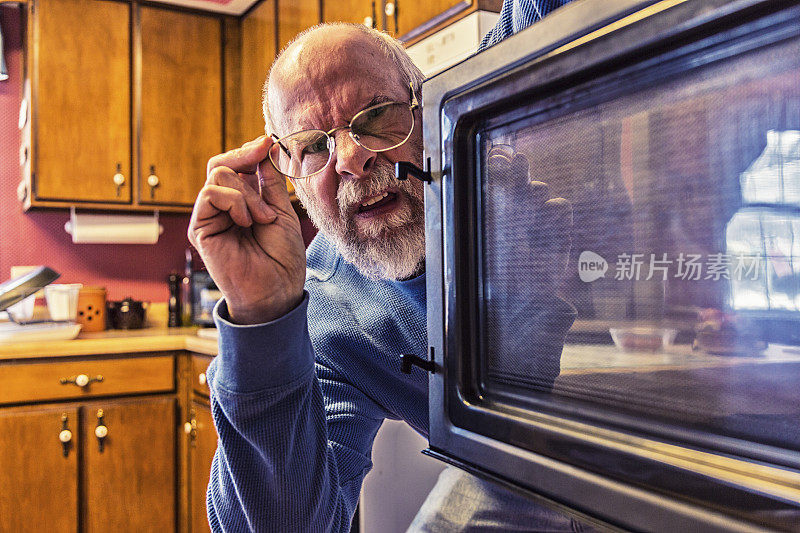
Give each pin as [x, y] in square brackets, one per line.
[402, 169]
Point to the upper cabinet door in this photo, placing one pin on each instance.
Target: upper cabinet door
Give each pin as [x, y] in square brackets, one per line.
[295, 16]
[258, 53]
[181, 103]
[403, 16]
[82, 100]
[367, 12]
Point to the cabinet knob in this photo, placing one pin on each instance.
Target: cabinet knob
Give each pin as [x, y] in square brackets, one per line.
[368, 22]
[190, 428]
[81, 380]
[118, 179]
[202, 378]
[152, 181]
[101, 431]
[389, 9]
[65, 435]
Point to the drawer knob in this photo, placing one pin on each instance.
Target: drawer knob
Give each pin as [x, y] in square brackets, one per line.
[81, 380]
[202, 378]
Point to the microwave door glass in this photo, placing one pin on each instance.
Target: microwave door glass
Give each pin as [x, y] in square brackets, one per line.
[639, 251]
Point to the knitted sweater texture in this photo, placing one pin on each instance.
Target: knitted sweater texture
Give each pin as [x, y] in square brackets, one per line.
[297, 401]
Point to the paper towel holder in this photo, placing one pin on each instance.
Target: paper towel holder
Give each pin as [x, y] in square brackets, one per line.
[71, 225]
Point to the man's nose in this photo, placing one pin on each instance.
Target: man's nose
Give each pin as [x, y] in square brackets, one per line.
[352, 159]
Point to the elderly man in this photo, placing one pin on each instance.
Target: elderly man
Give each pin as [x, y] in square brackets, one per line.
[310, 341]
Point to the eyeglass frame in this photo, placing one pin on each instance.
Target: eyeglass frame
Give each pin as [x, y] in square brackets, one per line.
[413, 106]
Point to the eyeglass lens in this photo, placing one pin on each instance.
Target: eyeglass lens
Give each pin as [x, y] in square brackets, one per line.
[377, 128]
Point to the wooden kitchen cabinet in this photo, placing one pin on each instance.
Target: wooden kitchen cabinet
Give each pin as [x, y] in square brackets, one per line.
[79, 66]
[258, 52]
[295, 16]
[411, 21]
[202, 445]
[356, 11]
[181, 103]
[115, 470]
[39, 482]
[202, 442]
[125, 103]
[129, 475]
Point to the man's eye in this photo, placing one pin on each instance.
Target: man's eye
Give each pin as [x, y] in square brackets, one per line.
[320, 145]
[376, 112]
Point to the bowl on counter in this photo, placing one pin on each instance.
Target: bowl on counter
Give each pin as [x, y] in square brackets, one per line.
[643, 338]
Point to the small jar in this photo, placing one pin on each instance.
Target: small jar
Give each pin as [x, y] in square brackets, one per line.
[92, 309]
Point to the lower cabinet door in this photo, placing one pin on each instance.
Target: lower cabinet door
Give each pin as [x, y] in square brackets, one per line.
[201, 452]
[129, 471]
[39, 470]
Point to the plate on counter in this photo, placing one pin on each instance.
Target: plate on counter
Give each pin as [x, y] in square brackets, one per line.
[41, 331]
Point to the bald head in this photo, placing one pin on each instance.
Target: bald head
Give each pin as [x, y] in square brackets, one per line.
[318, 59]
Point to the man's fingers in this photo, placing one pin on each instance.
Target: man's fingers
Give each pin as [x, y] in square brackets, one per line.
[224, 199]
[244, 159]
[539, 193]
[273, 187]
[258, 209]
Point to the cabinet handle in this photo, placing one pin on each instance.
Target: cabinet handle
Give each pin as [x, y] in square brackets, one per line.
[119, 178]
[370, 22]
[201, 377]
[101, 431]
[65, 435]
[81, 380]
[190, 428]
[390, 8]
[152, 181]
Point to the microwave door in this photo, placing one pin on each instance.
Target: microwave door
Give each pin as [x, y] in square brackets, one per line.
[614, 265]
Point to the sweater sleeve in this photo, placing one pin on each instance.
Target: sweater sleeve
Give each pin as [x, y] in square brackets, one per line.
[294, 441]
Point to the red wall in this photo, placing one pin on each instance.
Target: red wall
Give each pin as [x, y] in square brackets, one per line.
[38, 237]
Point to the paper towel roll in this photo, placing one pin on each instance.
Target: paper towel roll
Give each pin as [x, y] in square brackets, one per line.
[113, 229]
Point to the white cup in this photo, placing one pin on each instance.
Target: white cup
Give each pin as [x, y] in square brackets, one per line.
[62, 300]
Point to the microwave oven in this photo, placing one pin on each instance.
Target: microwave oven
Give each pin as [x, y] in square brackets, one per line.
[613, 263]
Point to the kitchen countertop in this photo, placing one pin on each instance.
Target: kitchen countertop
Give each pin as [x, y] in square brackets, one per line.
[153, 339]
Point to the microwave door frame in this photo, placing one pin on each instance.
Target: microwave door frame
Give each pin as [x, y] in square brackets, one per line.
[566, 487]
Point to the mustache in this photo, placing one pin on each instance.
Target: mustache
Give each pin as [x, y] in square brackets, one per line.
[352, 192]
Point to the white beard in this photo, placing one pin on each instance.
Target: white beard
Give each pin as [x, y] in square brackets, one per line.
[390, 248]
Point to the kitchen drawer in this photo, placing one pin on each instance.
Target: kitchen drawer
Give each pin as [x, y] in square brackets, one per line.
[42, 380]
[199, 366]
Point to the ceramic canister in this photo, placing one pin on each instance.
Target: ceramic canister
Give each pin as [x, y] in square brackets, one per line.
[92, 308]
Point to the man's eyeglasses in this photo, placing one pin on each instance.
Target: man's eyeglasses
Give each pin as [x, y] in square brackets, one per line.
[378, 128]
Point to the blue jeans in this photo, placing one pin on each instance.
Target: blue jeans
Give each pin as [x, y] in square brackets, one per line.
[461, 502]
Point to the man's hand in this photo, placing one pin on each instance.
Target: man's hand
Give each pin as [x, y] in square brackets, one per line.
[248, 234]
[535, 228]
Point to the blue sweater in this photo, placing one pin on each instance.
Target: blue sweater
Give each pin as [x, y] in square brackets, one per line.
[297, 401]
